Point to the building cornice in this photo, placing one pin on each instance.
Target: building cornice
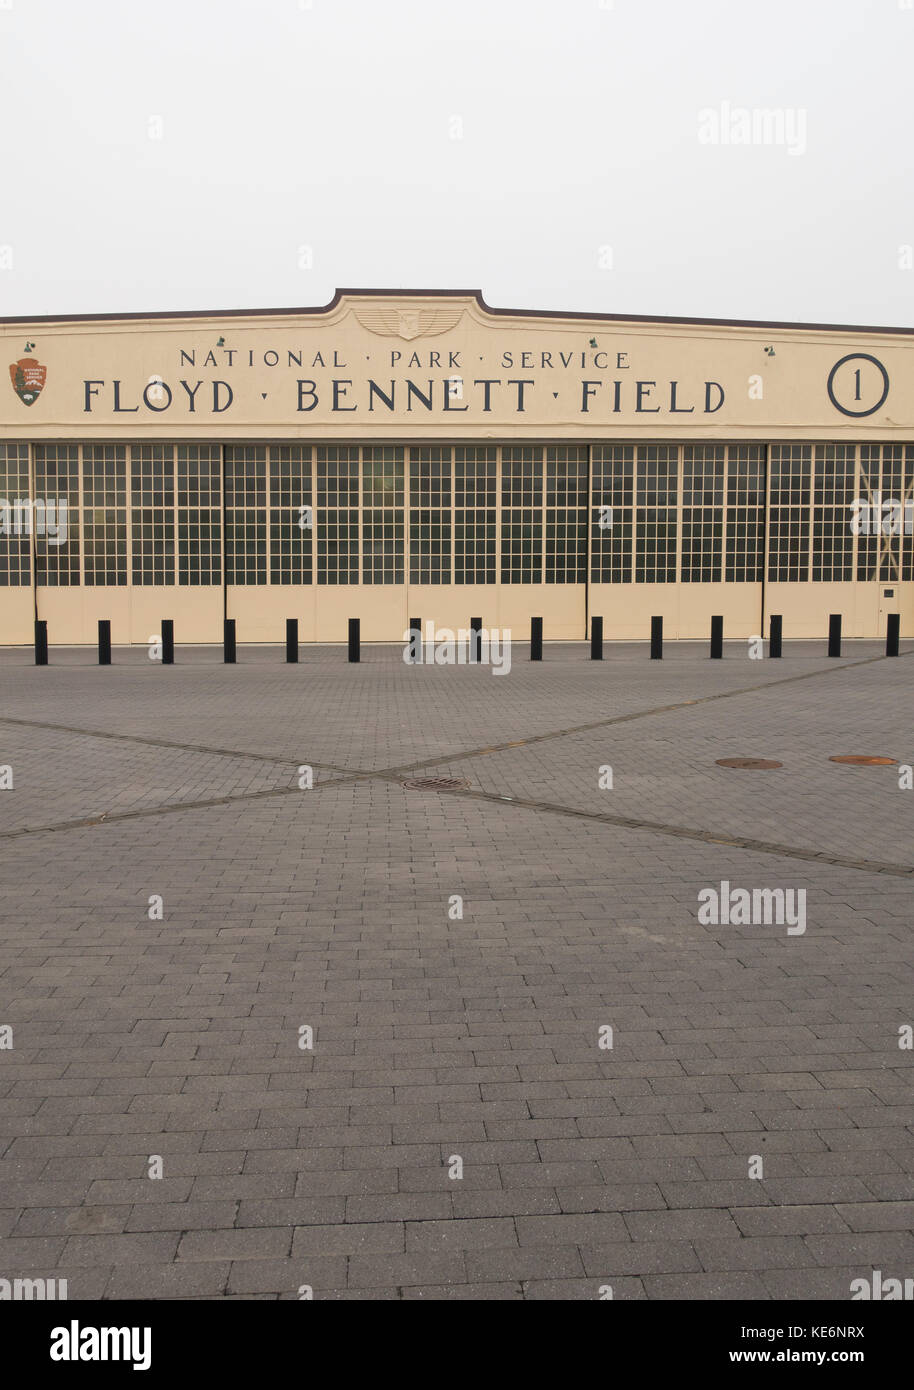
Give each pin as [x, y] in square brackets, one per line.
[476, 296]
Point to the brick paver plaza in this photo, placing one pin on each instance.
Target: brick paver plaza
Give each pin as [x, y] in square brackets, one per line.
[438, 1037]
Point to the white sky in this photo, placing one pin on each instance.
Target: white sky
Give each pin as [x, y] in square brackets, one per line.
[330, 127]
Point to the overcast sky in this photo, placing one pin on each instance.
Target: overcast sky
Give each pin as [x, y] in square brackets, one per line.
[579, 154]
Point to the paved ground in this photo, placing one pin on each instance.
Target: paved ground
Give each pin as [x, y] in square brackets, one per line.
[438, 1036]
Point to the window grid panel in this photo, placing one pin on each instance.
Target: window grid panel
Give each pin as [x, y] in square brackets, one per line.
[57, 480]
[338, 477]
[430, 519]
[14, 471]
[246, 546]
[291, 540]
[337, 515]
[789, 486]
[475, 476]
[657, 476]
[152, 546]
[907, 537]
[655, 545]
[744, 540]
[199, 468]
[613, 488]
[788, 545]
[892, 490]
[152, 514]
[166, 527]
[745, 546]
[383, 518]
[199, 546]
[522, 477]
[382, 477]
[382, 546]
[15, 551]
[746, 475]
[475, 515]
[246, 512]
[199, 518]
[656, 517]
[522, 515]
[834, 489]
[104, 514]
[703, 486]
[521, 546]
[566, 547]
[290, 476]
[869, 484]
[566, 515]
[894, 549]
[104, 475]
[702, 545]
[703, 475]
[152, 475]
[291, 548]
[246, 477]
[338, 546]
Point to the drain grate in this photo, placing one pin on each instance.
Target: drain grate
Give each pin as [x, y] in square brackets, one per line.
[757, 764]
[435, 784]
[863, 760]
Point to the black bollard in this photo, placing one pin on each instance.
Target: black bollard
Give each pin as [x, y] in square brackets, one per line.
[104, 642]
[656, 639]
[536, 639]
[476, 640]
[596, 639]
[717, 637]
[228, 641]
[41, 643]
[775, 632]
[355, 639]
[291, 639]
[892, 634]
[415, 639]
[834, 634]
[168, 642]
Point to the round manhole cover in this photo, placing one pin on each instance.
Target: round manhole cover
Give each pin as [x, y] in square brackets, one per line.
[435, 784]
[863, 760]
[758, 764]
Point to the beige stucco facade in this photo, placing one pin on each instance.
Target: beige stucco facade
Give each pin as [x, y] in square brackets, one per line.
[420, 454]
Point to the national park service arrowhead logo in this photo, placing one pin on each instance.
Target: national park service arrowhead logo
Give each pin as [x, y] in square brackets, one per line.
[28, 377]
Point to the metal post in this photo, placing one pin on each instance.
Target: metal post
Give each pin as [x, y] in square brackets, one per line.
[168, 642]
[104, 642]
[596, 639]
[892, 634]
[291, 639]
[228, 641]
[775, 632]
[656, 639]
[834, 634]
[476, 640]
[717, 637]
[415, 638]
[536, 639]
[41, 643]
[355, 639]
